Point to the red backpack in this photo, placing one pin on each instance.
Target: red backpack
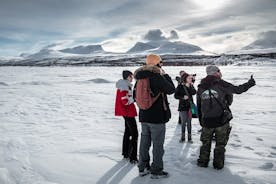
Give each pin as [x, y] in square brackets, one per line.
[144, 96]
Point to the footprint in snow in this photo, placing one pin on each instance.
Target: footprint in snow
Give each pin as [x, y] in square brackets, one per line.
[248, 147]
[267, 166]
[273, 147]
[260, 153]
[235, 145]
[259, 139]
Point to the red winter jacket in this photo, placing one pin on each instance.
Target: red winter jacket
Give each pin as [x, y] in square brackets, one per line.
[124, 105]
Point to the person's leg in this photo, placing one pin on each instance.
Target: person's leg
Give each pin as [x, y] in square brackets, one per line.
[206, 139]
[145, 143]
[179, 120]
[183, 124]
[189, 127]
[133, 141]
[125, 151]
[222, 136]
[158, 137]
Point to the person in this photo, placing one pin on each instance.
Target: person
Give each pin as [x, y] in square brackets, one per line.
[184, 93]
[178, 79]
[154, 118]
[214, 96]
[124, 106]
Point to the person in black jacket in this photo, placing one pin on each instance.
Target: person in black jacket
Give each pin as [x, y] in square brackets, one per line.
[184, 92]
[153, 119]
[178, 79]
[214, 96]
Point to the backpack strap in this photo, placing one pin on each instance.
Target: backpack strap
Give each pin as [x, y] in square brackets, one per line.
[220, 104]
[188, 94]
[163, 101]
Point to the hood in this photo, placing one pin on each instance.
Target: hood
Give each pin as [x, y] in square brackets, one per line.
[209, 81]
[123, 84]
[146, 71]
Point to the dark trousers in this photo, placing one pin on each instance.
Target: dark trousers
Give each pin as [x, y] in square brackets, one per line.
[222, 136]
[130, 139]
[155, 134]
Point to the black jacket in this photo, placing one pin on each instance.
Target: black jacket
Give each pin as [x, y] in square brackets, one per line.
[184, 105]
[158, 83]
[226, 91]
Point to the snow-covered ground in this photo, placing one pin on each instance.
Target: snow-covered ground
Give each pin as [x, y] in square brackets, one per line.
[57, 125]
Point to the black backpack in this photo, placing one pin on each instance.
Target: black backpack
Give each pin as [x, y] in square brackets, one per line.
[215, 112]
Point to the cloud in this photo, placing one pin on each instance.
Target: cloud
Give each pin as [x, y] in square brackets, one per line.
[174, 35]
[159, 35]
[155, 35]
[25, 23]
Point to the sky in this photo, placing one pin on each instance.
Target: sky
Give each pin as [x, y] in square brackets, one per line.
[214, 25]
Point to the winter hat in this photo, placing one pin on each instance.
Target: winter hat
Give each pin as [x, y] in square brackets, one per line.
[184, 77]
[153, 59]
[126, 73]
[211, 69]
[182, 72]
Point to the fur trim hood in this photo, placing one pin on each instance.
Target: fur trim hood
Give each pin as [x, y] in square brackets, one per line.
[209, 81]
[123, 85]
[146, 71]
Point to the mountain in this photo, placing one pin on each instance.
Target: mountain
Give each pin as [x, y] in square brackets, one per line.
[266, 40]
[51, 52]
[164, 47]
[141, 47]
[177, 47]
[46, 53]
[89, 49]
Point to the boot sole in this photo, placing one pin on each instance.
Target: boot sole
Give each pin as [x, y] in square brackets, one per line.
[144, 173]
[158, 176]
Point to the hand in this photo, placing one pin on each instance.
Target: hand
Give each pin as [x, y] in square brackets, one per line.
[252, 81]
[186, 97]
[162, 72]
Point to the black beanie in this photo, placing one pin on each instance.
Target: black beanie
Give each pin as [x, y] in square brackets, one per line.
[126, 73]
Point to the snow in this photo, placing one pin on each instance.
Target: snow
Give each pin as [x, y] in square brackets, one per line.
[58, 127]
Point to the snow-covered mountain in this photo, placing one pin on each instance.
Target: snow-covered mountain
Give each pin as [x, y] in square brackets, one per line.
[141, 47]
[164, 47]
[51, 52]
[46, 53]
[89, 49]
[266, 40]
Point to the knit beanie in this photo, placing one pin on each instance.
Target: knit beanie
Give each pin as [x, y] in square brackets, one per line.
[211, 69]
[153, 59]
[126, 73]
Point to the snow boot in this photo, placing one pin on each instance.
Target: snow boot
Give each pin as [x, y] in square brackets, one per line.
[201, 163]
[190, 138]
[161, 174]
[144, 172]
[182, 139]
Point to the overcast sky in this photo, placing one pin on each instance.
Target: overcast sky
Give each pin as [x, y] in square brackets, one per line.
[214, 25]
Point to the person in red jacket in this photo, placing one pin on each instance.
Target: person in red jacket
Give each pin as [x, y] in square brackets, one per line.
[124, 106]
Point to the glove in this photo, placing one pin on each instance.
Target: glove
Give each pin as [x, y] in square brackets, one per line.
[251, 81]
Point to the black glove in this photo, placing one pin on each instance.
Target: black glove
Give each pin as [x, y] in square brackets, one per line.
[252, 81]
[177, 79]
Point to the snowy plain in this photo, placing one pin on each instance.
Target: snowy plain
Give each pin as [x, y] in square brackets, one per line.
[57, 125]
